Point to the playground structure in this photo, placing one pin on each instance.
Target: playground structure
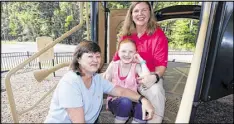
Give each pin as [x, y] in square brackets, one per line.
[191, 96]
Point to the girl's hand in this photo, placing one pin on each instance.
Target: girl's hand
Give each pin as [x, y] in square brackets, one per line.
[104, 75]
[114, 98]
[137, 58]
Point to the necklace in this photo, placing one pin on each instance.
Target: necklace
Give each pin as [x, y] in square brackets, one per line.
[121, 70]
[139, 35]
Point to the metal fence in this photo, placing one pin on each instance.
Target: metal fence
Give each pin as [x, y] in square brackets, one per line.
[11, 60]
[180, 56]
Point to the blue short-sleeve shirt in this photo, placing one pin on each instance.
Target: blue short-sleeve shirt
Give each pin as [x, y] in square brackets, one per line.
[71, 93]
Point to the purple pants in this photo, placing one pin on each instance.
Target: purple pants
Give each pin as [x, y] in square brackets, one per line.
[123, 108]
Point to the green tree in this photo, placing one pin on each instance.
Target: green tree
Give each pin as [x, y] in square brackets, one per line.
[27, 20]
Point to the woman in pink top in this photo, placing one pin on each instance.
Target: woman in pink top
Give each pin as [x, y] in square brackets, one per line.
[124, 73]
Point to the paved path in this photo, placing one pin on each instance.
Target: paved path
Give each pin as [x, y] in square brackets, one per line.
[27, 90]
[175, 78]
[217, 111]
[32, 47]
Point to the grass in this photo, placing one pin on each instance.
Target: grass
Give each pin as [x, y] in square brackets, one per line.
[9, 42]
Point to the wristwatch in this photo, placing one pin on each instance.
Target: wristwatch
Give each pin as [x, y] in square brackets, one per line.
[157, 77]
[139, 100]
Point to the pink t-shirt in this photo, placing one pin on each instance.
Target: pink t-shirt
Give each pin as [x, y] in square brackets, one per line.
[152, 48]
[129, 81]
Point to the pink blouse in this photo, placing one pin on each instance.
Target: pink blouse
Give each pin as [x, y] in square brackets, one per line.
[129, 81]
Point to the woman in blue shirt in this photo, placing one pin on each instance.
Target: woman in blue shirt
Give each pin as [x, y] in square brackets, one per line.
[78, 96]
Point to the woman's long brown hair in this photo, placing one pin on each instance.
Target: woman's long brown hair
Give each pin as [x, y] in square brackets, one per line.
[129, 26]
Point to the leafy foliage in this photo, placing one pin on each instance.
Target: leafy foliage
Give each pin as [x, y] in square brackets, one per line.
[24, 21]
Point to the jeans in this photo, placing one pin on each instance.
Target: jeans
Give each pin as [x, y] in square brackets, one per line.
[123, 108]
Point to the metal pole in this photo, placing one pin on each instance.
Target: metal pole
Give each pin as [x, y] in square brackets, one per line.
[94, 21]
[184, 113]
[106, 17]
[39, 65]
[28, 57]
[152, 4]
[87, 20]
[56, 56]
[53, 66]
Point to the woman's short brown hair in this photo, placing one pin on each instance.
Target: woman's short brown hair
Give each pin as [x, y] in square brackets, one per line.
[84, 46]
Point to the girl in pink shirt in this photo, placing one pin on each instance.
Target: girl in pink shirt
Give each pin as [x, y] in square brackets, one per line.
[124, 73]
[140, 25]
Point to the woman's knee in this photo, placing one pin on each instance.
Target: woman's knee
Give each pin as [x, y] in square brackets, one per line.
[156, 89]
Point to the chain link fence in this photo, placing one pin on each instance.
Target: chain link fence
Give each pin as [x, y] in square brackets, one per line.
[11, 60]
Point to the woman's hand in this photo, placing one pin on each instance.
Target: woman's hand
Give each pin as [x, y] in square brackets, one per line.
[147, 107]
[147, 80]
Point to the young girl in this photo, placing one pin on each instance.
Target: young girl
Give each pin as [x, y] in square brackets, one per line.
[151, 42]
[124, 73]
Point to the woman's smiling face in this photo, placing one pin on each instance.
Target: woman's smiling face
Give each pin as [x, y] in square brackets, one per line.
[90, 62]
[141, 14]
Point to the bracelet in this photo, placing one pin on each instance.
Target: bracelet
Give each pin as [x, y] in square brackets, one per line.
[143, 62]
[157, 77]
[139, 100]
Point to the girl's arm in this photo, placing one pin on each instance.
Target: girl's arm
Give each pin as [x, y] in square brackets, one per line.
[142, 70]
[108, 73]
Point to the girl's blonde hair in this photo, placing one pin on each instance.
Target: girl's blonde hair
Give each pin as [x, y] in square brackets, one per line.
[129, 26]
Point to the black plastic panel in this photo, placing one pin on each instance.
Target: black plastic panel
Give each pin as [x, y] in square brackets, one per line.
[218, 77]
[179, 11]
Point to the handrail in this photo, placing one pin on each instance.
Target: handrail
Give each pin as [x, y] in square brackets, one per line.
[40, 75]
[14, 70]
[183, 115]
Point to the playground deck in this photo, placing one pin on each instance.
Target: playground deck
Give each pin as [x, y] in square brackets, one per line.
[27, 91]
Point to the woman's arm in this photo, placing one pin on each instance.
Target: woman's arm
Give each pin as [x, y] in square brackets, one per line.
[160, 70]
[124, 92]
[76, 114]
[160, 56]
[70, 97]
[160, 53]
